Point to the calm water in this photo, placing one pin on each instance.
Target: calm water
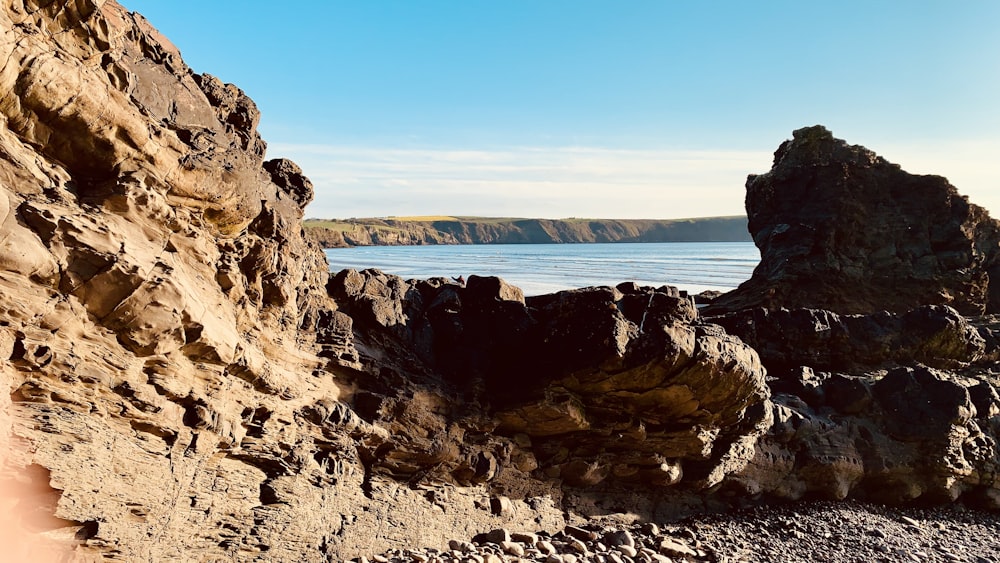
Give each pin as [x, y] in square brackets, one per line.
[546, 268]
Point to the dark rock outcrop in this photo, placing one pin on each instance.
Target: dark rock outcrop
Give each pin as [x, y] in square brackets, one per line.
[840, 228]
[913, 433]
[583, 386]
[934, 335]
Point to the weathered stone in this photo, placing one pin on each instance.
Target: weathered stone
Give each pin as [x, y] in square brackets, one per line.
[497, 536]
[788, 338]
[840, 228]
[675, 548]
[527, 538]
[545, 547]
[512, 548]
[619, 537]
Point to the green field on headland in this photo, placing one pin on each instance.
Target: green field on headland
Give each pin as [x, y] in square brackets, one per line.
[419, 230]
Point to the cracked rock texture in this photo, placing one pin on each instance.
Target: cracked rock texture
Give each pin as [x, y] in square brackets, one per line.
[184, 379]
[840, 228]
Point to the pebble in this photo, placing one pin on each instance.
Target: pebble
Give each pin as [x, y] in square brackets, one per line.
[675, 548]
[843, 532]
[619, 537]
[525, 537]
[627, 550]
[578, 546]
[512, 548]
[545, 547]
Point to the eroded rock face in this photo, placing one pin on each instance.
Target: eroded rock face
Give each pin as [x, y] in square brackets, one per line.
[166, 393]
[934, 335]
[581, 386]
[913, 433]
[841, 229]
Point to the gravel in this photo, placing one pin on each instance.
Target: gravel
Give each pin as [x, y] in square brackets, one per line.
[831, 532]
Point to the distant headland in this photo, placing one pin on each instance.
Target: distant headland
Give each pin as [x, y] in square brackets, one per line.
[423, 230]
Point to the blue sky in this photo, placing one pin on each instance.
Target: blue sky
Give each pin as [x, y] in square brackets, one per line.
[582, 108]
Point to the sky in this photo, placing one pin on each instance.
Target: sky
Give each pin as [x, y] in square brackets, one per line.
[601, 109]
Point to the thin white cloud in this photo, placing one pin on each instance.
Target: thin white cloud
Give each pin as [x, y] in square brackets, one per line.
[525, 182]
[580, 181]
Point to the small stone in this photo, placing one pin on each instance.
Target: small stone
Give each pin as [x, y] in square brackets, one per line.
[620, 537]
[580, 533]
[554, 558]
[461, 546]
[527, 538]
[492, 558]
[545, 547]
[626, 550]
[501, 506]
[512, 548]
[577, 546]
[910, 521]
[675, 548]
[569, 558]
[650, 529]
[497, 536]
[418, 557]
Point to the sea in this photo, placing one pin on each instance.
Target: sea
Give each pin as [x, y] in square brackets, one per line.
[547, 268]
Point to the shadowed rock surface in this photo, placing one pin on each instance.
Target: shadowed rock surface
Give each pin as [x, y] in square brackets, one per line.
[840, 228]
[580, 386]
[185, 380]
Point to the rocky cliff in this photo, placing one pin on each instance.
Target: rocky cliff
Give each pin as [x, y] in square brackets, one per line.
[186, 381]
[473, 230]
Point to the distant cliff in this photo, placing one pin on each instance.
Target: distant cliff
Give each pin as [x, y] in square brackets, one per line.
[407, 231]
